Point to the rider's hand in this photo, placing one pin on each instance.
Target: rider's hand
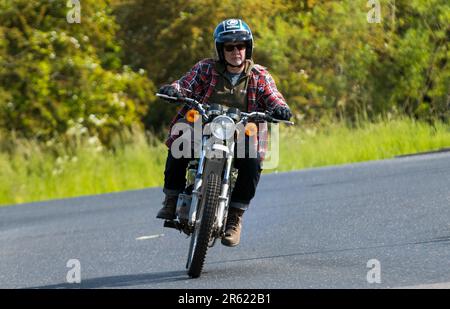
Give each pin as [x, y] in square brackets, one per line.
[281, 113]
[170, 90]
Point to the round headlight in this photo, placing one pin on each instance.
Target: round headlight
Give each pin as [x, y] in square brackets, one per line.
[223, 127]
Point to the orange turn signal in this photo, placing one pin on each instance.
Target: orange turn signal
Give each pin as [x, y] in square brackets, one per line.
[192, 115]
[251, 129]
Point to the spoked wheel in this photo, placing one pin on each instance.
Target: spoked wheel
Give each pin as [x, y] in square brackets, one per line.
[203, 227]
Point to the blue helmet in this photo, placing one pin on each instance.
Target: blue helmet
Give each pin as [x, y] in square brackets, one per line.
[233, 30]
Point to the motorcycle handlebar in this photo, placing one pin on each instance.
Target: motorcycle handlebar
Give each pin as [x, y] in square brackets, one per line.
[267, 117]
[184, 99]
[261, 115]
[190, 101]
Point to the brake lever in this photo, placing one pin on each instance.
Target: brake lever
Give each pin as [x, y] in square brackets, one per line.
[166, 97]
[286, 122]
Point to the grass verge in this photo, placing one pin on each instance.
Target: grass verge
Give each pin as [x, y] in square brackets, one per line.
[32, 172]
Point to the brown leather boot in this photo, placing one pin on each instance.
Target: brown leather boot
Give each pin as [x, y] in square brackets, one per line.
[169, 207]
[233, 228]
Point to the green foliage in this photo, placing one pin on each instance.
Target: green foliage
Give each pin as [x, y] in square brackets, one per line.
[336, 143]
[327, 59]
[87, 168]
[419, 67]
[59, 79]
[96, 78]
[32, 171]
[168, 37]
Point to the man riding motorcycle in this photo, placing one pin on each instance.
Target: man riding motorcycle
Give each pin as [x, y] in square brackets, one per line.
[232, 80]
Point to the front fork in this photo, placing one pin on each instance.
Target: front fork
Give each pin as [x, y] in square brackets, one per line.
[196, 191]
[222, 209]
[224, 193]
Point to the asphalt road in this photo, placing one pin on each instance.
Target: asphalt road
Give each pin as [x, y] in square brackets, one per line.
[315, 228]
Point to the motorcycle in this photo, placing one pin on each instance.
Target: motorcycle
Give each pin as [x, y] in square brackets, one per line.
[202, 208]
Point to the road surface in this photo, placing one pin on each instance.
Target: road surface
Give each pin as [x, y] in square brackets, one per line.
[330, 227]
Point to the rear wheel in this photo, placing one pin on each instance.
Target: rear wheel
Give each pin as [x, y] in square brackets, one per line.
[204, 227]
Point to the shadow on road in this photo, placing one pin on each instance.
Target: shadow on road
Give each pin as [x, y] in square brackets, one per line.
[443, 240]
[122, 281]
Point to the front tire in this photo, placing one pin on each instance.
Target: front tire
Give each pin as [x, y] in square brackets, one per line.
[204, 226]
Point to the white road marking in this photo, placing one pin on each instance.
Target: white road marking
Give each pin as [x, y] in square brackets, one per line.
[443, 285]
[149, 237]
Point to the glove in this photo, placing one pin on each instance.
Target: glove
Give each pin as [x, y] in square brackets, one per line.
[170, 90]
[281, 113]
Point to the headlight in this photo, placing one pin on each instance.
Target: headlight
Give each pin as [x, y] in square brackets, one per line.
[223, 127]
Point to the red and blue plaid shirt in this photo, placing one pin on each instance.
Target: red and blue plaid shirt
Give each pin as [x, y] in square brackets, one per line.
[199, 83]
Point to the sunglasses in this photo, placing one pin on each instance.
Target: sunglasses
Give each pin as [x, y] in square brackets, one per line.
[230, 48]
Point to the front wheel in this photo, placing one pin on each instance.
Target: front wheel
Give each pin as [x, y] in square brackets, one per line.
[203, 227]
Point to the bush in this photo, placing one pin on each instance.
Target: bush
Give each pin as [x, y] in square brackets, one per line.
[59, 79]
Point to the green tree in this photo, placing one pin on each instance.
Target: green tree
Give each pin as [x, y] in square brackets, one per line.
[325, 56]
[168, 37]
[58, 78]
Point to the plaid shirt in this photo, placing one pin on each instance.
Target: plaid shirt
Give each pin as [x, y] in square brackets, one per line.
[199, 83]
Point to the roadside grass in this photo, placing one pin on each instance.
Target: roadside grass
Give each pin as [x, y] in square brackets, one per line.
[337, 143]
[32, 172]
